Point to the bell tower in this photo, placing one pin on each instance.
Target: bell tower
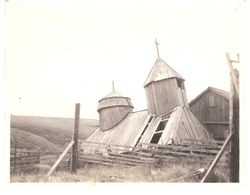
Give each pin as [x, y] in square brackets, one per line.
[164, 88]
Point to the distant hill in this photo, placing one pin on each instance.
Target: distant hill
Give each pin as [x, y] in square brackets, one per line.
[55, 130]
[32, 142]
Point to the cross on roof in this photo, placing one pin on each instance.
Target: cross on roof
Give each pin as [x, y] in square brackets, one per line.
[113, 85]
[156, 43]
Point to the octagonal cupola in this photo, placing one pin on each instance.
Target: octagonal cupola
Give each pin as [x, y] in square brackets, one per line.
[113, 108]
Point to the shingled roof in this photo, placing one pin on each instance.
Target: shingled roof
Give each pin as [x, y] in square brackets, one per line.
[112, 94]
[161, 70]
[181, 124]
[114, 99]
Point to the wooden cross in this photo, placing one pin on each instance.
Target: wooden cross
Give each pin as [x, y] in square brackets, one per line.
[113, 85]
[156, 43]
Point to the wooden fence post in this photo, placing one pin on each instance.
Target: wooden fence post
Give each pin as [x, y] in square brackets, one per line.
[74, 153]
[234, 120]
[15, 154]
[234, 157]
[38, 161]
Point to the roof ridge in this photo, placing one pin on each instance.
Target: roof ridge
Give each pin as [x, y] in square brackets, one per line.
[160, 71]
[220, 90]
[216, 90]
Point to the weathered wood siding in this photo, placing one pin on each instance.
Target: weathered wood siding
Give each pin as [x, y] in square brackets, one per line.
[205, 111]
[195, 128]
[112, 110]
[111, 116]
[150, 99]
[150, 130]
[162, 96]
[184, 125]
[126, 133]
[218, 131]
[213, 110]
[182, 97]
[171, 127]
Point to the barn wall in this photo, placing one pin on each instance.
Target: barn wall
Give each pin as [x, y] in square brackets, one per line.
[111, 116]
[217, 113]
[218, 131]
[213, 110]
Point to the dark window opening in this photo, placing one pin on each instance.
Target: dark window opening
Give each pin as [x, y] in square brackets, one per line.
[166, 117]
[144, 130]
[161, 126]
[180, 84]
[155, 139]
[159, 130]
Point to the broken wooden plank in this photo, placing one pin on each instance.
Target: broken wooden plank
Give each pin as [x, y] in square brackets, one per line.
[217, 158]
[60, 158]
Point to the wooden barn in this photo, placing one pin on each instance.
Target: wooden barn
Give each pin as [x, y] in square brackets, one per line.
[167, 120]
[212, 108]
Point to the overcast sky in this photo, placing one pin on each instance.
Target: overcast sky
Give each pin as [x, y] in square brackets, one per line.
[59, 52]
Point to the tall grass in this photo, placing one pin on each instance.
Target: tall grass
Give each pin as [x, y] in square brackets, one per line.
[99, 173]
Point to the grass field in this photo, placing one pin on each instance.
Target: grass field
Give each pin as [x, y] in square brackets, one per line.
[98, 173]
[51, 134]
[31, 141]
[53, 131]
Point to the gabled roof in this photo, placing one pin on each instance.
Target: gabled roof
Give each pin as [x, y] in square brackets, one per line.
[220, 92]
[161, 70]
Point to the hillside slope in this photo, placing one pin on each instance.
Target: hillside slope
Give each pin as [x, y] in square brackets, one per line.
[56, 130]
[32, 142]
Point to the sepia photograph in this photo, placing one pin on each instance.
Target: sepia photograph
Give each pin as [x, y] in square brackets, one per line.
[119, 91]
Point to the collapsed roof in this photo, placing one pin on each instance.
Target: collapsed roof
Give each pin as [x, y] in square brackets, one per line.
[139, 127]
